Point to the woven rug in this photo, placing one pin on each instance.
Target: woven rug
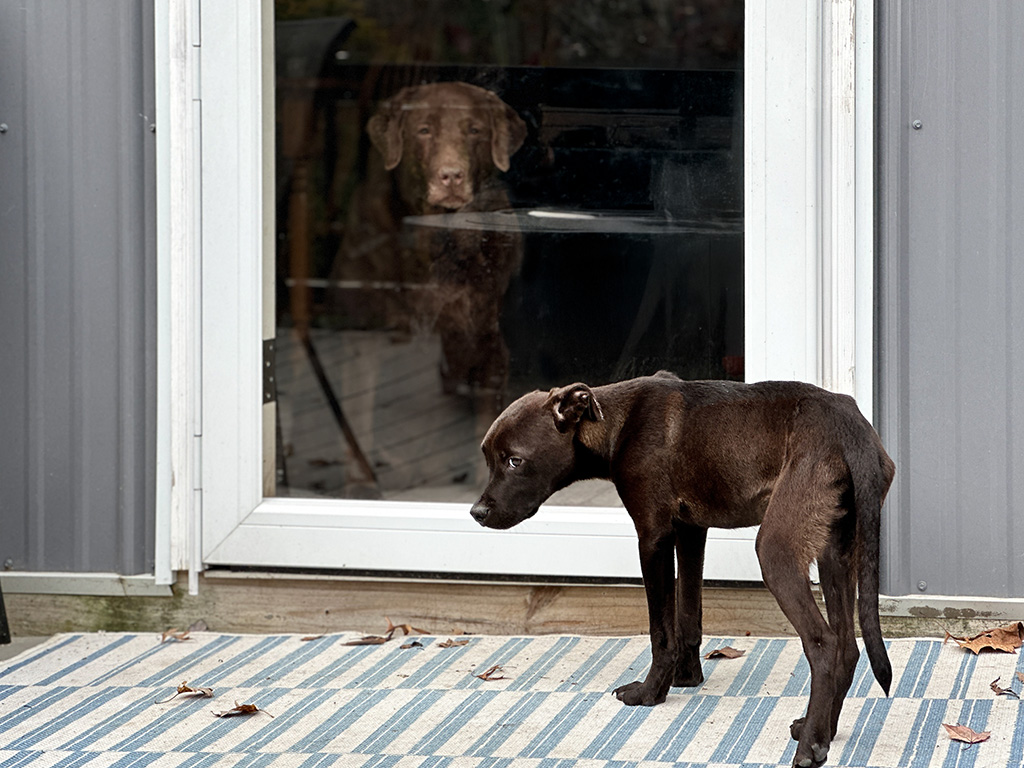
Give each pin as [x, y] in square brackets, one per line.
[90, 700]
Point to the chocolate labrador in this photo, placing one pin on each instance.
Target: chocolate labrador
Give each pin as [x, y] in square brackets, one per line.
[440, 148]
[686, 456]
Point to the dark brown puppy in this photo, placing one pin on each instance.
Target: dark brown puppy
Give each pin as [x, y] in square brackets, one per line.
[686, 456]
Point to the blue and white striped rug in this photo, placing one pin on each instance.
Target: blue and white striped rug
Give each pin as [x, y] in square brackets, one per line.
[88, 700]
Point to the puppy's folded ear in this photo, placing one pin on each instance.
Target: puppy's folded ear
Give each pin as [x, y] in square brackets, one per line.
[570, 405]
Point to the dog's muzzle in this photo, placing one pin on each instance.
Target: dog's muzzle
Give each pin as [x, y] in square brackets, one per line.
[480, 512]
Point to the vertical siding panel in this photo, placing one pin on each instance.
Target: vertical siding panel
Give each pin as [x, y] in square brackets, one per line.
[15, 285]
[83, 498]
[958, 425]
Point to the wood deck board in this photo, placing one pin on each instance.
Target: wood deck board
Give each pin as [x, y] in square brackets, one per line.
[423, 444]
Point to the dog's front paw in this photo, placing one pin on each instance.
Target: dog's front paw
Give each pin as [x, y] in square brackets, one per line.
[796, 727]
[635, 694]
[688, 674]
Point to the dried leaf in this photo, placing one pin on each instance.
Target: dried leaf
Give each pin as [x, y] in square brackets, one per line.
[1006, 639]
[726, 652]
[241, 709]
[1000, 691]
[1020, 676]
[407, 629]
[494, 673]
[185, 690]
[174, 634]
[449, 643]
[308, 638]
[963, 733]
[369, 640]
[413, 644]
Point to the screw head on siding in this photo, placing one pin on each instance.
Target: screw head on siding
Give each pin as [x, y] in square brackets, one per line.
[922, 586]
[918, 125]
[3, 128]
[9, 564]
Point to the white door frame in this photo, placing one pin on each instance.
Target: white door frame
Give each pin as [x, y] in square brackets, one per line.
[809, 298]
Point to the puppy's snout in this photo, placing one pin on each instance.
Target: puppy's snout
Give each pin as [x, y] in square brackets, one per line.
[480, 511]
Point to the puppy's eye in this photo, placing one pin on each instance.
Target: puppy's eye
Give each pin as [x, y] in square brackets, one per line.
[513, 462]
[474, 130]
[423, 130]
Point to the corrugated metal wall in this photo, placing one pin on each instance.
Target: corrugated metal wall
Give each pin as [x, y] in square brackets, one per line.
[951, 243]
[77, 286]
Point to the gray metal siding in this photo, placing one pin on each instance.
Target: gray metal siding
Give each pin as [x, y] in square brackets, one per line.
[951, 244]
[77, 292]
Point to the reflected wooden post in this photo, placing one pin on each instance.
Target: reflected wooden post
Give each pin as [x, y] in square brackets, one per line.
[296, 142]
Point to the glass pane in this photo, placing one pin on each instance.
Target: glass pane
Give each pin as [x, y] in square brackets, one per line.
[477, 199]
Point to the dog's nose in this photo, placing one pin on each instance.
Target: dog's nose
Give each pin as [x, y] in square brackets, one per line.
[451, 177]
[479, 512]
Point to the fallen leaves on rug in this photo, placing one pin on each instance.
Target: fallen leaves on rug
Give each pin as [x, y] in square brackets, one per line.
[185, 690]
[963, 733]
[389, 633]
[241, 709]
[449, 643]
[725, 652]
[1005, 639]
[407, 629]
[494, 673]
[1000, 691]
[369, 640]
[174, 634]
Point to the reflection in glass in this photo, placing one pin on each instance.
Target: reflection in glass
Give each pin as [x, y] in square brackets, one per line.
[477, 199]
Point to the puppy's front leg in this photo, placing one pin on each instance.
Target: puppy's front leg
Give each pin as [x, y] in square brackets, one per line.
[656, 564]
[690, 543]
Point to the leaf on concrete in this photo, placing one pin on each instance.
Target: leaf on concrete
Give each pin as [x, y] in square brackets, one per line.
[963, 733]
[725, 652]
[241, 709]
[1005, 639]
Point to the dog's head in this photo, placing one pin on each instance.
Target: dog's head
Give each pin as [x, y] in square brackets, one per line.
[531, 453]
[445, 140]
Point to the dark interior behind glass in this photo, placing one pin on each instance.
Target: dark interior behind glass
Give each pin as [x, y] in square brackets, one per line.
[612, 246]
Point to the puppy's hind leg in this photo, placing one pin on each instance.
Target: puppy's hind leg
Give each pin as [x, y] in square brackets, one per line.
[837, 568]
[791, 531]
[690, 543]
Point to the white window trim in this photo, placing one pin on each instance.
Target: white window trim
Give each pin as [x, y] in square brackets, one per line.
[801, 265]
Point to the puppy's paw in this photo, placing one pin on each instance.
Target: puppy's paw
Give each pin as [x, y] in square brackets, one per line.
[688, 677]
[818, 755]
[635, 694]
[796, 727]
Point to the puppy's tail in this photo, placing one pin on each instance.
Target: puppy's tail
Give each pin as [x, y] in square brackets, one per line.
[872, 471]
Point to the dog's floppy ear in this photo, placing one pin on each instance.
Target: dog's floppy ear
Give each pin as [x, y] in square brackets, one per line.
[385, 128]
[570, 405]
[508, 132]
